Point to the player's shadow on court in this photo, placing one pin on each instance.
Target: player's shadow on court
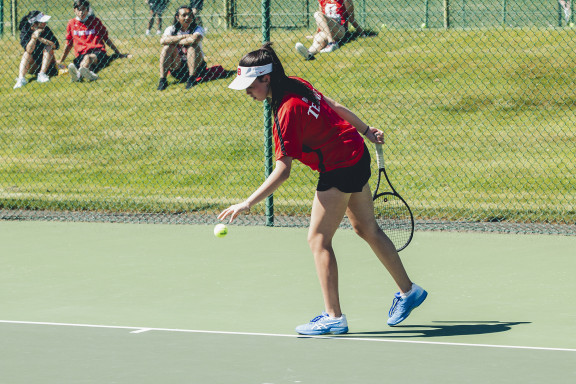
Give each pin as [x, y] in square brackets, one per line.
[443, 329]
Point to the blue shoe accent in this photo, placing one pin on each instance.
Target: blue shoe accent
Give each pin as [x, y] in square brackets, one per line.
[401, 308]
[323, 324]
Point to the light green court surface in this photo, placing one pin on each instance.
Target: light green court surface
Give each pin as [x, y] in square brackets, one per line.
[142, 303]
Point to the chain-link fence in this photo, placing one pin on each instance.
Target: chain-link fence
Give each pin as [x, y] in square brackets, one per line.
[476, 99]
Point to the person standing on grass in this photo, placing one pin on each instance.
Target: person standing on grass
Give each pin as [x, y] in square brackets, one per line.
[157, 8]
[88, 36]
[181, 53]
[327, 137]
[332, 21]
[39, 44]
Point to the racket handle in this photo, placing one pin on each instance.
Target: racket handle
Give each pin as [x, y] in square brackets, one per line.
[379, 156]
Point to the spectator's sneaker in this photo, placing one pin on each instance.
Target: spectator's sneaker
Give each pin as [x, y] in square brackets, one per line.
[88, 74]
[74, 75]
[20, 82]
[401, 307]
[301, 49]
[331, 47]
[147, 32]
[158, 32]
[42, 78]
[162, 84]
[323, 324]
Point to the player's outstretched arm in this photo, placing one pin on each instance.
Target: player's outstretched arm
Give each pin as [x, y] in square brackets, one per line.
[280, 174]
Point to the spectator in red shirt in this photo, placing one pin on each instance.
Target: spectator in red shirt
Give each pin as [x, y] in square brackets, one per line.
[327, 137]
[332, 21]
[88, 36]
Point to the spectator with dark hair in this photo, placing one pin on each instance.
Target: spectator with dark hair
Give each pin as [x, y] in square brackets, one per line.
[39, 44]
[157, 8]
[181, 53]
[197, 6]
[88, 36]
[332, 21]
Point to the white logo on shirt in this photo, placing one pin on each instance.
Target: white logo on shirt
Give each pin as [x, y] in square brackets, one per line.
[85, 33]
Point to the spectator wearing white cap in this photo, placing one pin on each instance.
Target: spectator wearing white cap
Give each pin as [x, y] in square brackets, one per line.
[39, 44]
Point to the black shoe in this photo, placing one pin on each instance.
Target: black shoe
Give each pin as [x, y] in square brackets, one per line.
[162, 84]
[190, 83]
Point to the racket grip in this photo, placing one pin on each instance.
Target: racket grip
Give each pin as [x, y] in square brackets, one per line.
[379, 156]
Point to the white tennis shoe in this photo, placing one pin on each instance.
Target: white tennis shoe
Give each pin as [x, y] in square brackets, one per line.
[88, 74]
[323, 324]
[20, 82]
[73, 72]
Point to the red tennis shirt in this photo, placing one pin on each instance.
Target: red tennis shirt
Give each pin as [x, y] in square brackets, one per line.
[336, 10]
[86, 36]
[313, 133]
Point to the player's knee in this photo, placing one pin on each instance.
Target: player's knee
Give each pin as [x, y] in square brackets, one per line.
[367, 231]
[318, 242]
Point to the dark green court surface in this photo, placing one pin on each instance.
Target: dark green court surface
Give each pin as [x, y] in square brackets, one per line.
[143, 303]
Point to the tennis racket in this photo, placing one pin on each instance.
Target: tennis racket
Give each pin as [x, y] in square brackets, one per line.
[392, 212]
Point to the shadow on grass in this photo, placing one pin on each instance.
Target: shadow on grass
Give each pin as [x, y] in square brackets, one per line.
[442, 329]
[352, 36]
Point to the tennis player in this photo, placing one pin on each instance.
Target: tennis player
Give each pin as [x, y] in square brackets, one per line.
[327, 137]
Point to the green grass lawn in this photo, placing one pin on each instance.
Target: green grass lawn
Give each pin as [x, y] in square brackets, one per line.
[479, 126]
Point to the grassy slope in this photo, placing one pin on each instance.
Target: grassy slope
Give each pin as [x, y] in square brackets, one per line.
[479, 125]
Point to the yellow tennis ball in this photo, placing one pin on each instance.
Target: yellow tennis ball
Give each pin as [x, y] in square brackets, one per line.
[220, 230]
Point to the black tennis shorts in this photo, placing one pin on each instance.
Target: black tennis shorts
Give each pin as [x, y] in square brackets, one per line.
[103, 60]
[349, 179]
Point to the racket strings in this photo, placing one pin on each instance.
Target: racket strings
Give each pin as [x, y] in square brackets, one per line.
[393, 217]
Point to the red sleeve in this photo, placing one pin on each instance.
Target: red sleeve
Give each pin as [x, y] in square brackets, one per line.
[289, 130]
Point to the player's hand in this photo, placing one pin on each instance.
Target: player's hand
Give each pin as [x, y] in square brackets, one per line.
[233, 211]
[375, 135]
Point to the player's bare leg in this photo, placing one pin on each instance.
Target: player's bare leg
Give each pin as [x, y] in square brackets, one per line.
[361, 214]
[327, 212]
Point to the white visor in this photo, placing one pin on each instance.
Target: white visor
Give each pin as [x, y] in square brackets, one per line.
[39, 18]
[247, 75]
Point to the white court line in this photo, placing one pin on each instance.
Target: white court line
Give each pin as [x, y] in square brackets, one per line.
[147, 329]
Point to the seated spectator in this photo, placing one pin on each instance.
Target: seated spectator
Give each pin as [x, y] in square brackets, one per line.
[181, 53]
[87, 35]
[39, 44]
[157, 8]
[332, 21]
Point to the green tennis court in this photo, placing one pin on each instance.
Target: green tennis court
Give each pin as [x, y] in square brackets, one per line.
[145, 303]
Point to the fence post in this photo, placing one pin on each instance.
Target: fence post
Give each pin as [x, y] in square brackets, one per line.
[230, 13]
[14, 16]
[268, 152]
[1, 18]
[504, 12]
[446, 14]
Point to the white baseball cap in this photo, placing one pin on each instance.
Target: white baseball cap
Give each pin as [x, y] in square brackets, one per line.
[39, 18]
[247, 75]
